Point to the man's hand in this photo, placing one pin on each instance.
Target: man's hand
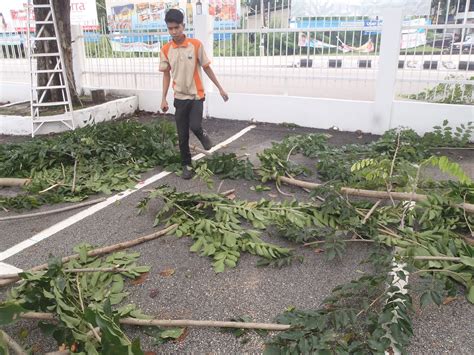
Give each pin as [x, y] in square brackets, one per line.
[164, 106]
[224, 95]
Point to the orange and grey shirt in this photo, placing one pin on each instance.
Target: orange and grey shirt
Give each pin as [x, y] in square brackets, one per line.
[185, 60]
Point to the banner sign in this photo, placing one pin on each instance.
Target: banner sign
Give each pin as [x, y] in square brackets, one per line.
[323, 8]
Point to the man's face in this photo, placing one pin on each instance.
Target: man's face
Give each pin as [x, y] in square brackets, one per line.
[175, 30]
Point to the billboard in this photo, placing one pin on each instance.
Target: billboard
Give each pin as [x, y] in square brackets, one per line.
[410, 38]
[138, 14]
[321, 8]
[14, 15]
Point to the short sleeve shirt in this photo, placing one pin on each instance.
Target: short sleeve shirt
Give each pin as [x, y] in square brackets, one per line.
[184, 61]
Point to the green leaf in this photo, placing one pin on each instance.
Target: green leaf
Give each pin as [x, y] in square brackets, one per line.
[9, 312]
[173, 333]
[425, 298]
[470, 294]
[467, 261]
[219, 266]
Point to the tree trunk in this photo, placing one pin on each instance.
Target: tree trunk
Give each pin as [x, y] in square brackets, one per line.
[63, 17]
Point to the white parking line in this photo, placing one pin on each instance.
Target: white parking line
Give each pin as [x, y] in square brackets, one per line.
[48, 232]
[8, 269]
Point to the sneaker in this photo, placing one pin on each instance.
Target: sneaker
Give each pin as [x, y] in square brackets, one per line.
[187, 172]
[206, 141]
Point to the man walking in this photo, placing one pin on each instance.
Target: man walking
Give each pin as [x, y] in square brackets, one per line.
[182, 58]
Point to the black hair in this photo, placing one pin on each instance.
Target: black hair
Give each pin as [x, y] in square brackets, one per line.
[175, 16]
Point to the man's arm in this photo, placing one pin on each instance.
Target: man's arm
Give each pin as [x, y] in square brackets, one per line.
[166, 86]
[210, 73]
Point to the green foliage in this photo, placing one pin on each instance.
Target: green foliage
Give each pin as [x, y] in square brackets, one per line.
[204, 174]
[448, 93]
[449, 167]
[216, 223]
[163, 335]
[228, 166]
[446, 136]
[109, 158]
[275, 161]
[359, 317]
[79, 301]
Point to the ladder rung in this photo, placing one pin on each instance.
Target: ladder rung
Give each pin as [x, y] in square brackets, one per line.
[46, 104]
[45, 55]
[41, 6]
[44, 22]
[43, 39]
[43, 71]
[50, 87]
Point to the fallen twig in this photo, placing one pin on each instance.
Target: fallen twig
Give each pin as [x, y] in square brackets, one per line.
[282, 192]
[58, 210]
[174, 323]
[76, 271]
[12, 343]
[50, 188]
[344, 240]
[199, 150]
[371, 211]
[101, 251]
[73, 189]
[438, 258]
[372, 193]
[12, 182]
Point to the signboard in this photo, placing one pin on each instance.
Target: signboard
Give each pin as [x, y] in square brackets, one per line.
[410, 38]
[138, 15]
[321, 8]
[13, 14]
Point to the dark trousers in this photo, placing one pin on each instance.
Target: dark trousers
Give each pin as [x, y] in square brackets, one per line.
[188, 116]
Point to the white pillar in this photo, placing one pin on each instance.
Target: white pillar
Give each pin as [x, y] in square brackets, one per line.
[388, 66]
[78, 56]
[204, 31]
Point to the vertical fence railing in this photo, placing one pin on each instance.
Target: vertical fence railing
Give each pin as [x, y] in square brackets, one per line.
[267, 51]
[442, 69]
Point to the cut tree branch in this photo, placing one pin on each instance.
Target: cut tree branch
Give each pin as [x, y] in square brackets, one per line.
[74, 271]
[174, 323]
[58, 210]
[13, 182]
[101, 251]
[12, 343]
[401, 196]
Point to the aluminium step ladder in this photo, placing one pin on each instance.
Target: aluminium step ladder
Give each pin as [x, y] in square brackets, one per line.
[55, 75]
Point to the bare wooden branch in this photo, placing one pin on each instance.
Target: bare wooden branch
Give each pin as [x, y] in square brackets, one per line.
[50, 188]
[75, 271]
[11, 343]
[371, 211]
[401, 196]
[101, 251]
[175, 323]
[199, 150]
[58, 210]
[344, 240]
[202, 324]
[12, 182]
[438, 258]
[73, 189]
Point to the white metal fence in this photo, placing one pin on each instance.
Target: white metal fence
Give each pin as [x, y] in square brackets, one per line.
[271, 53]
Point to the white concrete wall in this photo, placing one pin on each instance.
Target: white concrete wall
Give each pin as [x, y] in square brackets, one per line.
[20, 125]
[347, 115]
[14, 91]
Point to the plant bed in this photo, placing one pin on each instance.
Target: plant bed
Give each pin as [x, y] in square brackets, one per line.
[16, 119]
